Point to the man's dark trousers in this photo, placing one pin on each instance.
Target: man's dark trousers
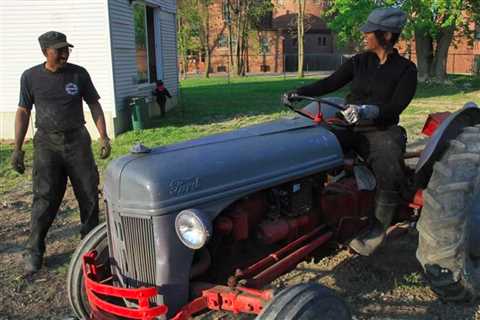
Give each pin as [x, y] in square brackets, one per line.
[58, 156]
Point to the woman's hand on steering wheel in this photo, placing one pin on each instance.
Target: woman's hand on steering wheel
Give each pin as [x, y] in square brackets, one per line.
[289, 98]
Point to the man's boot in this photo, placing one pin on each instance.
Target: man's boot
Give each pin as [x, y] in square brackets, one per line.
[386, 205]
[33, 263]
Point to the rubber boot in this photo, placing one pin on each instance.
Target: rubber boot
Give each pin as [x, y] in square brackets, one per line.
[386, 205]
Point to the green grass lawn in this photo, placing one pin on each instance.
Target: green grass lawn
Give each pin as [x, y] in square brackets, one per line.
[214, 105]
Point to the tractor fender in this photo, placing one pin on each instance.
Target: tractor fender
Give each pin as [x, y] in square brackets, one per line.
[469, 115]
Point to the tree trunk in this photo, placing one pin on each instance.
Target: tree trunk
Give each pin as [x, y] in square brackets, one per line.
[207, 63]
[206, 32]
[244, 42]
[230, 35]
[424, 49]
[184, 68]
[300, 36]
[439, 64]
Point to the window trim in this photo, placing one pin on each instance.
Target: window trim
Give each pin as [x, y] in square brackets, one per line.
[146, 5]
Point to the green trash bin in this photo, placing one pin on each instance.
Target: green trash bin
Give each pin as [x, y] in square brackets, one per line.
[139, 110]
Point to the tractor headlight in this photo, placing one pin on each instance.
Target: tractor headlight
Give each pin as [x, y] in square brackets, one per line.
[193, 228]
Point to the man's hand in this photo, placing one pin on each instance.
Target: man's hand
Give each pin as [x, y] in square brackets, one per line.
[289, 97]
[354, 113]
[18, 161]
[105, 148]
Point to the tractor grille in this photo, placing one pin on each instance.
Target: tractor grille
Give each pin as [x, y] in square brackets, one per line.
[138, 257]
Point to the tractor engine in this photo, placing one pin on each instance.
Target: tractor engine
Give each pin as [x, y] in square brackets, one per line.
[259, 223]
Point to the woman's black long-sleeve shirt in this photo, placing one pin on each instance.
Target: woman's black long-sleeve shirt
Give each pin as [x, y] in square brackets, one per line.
[391, 85]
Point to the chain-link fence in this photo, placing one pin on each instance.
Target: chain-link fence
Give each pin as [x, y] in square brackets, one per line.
[286, 64]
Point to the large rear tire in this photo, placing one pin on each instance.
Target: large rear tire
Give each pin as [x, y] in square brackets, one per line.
[95, 240]
[446, 248]
[306, 302]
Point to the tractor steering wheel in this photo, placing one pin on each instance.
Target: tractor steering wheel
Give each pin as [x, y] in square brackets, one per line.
[318, 118]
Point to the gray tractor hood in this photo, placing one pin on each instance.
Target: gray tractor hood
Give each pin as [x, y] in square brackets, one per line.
[220, 168]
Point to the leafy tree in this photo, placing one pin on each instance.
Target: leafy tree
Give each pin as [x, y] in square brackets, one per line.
[241, 16]
[203, 7]
[193, 32]
[432, 24]
[188, 26]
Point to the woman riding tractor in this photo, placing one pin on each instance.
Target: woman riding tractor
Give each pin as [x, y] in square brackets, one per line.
[382, 85]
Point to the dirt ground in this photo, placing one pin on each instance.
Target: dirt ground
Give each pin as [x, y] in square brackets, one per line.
[387, 285]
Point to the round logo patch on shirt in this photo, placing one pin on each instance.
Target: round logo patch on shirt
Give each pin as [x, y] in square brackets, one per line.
[71, 88]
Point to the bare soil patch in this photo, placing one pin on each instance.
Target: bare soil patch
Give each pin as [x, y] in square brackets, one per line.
[388, 285]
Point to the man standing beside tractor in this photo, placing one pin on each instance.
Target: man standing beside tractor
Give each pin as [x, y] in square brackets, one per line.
[382, 85]
[62, 145]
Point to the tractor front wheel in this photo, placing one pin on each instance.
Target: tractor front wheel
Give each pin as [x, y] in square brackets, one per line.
[448, 225]
[306, 302]
[95, 240]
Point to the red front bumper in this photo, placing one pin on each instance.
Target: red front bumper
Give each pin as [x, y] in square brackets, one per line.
[98, 293]
[236, 300]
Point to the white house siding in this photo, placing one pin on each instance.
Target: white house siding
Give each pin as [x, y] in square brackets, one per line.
[86, 26]
[169, 52]
[169, 44]
[123, 52]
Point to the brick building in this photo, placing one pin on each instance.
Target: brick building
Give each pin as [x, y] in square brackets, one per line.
[273, 48]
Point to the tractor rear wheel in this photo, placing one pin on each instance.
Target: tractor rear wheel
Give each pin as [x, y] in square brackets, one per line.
[448, 225]
[306, 302]
[94, 240]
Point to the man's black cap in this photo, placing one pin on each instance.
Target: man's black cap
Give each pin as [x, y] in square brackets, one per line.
[53, 39]
[385, 19]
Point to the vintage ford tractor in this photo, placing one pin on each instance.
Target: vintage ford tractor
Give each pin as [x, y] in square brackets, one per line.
[207, 224]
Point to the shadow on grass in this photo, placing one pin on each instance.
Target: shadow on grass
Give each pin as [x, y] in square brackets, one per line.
[58, 260]
[206, 104]
[203, 103]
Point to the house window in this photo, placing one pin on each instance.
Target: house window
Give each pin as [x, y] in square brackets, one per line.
[264, 46]
[222, 41]
[144, 43]
[322, 41]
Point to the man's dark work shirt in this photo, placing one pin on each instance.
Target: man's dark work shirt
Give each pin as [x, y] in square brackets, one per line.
[57, 96]
[391, 86]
